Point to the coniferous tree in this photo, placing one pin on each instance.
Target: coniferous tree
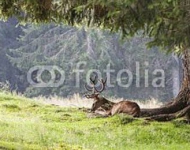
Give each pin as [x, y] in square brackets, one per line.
[9, 32]
[65, 47]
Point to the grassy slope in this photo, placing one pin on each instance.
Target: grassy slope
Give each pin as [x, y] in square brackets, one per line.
[25, 124]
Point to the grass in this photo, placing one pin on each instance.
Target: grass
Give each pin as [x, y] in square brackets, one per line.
[30, 125]
[77, 101]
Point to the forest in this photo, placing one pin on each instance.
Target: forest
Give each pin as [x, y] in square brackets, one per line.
[94, 75]
[24, 47]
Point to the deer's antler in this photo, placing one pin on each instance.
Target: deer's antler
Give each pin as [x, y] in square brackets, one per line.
[94, 82]
[103, 84]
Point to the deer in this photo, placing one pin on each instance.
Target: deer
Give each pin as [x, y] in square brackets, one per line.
[105, 107]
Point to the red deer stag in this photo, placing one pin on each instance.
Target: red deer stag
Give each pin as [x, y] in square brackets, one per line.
[105, 107]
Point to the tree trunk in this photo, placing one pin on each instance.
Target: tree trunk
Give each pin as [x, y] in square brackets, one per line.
[167, 117]
[176, 106]
[175, 75]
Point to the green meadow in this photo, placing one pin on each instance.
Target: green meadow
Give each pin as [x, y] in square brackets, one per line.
[26, 124]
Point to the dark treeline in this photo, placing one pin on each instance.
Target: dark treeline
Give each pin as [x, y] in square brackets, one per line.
[9, 33]
[23, 48]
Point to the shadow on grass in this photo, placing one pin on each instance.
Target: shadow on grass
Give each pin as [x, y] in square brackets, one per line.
[180, 122]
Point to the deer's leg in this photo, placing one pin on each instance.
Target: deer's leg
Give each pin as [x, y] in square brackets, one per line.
[103, 112]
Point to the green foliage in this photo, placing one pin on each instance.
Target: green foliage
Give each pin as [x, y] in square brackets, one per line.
[39, 126]
[166, 21]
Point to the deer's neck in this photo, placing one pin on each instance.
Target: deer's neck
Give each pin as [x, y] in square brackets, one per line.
[103, 100]
[97, 99]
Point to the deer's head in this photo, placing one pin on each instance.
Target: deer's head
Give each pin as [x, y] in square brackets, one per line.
[95, 91]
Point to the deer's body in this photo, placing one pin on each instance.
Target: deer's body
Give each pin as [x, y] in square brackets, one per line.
[102, 104]
[127, 107]
[105, 107]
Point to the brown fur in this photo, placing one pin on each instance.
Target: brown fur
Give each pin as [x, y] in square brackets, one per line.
[101, 103]
[127, 107]
[106, 107]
